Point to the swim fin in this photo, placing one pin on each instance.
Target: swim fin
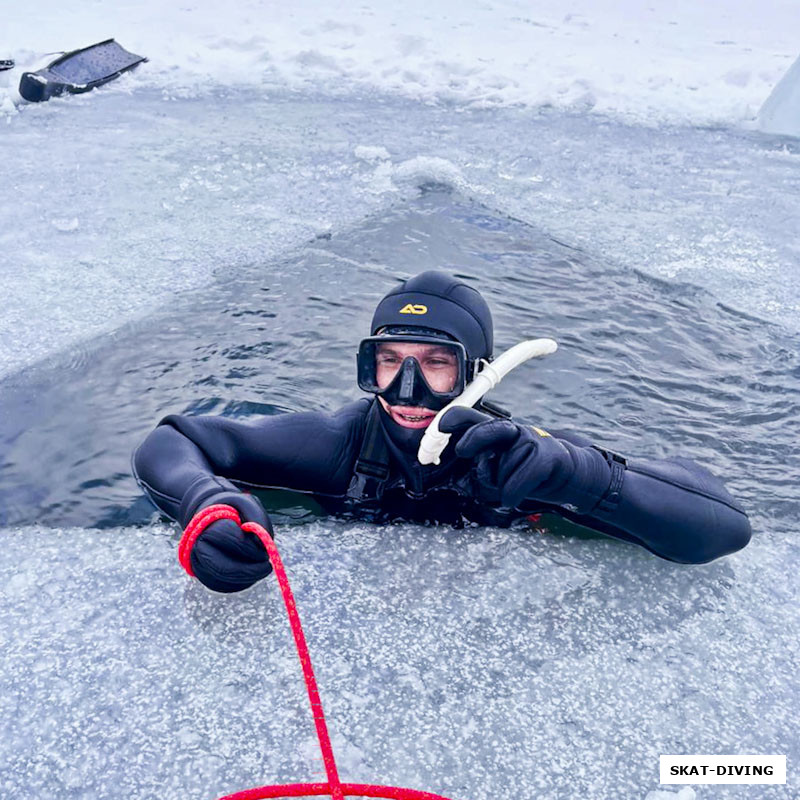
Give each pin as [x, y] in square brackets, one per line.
[78, 71]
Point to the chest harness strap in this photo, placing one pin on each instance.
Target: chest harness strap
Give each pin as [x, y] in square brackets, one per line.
[372, 464]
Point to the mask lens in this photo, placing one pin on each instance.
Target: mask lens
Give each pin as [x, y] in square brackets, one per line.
[439, 364]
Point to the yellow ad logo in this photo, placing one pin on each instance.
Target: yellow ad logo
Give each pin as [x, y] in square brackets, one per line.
[409, 308]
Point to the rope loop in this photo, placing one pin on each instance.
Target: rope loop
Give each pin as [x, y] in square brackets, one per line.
[199, 522]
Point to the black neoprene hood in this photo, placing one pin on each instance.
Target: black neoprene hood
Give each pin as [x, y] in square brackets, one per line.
[439, 302]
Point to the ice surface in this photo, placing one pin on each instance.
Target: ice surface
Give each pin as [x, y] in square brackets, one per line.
[686, 793]
[461, 662]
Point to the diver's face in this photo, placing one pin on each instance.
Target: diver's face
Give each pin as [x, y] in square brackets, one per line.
[439, 365]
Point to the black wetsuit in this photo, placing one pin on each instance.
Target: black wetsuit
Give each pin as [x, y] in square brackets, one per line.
[350, 463]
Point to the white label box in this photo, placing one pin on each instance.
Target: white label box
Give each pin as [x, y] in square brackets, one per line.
[722, 769]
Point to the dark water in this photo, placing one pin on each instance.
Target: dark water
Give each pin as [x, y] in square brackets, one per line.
[479, 663]
[645, 367]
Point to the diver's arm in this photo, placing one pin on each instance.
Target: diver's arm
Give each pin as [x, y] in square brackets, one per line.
[166, 465]
[186, 460]
[674, 508]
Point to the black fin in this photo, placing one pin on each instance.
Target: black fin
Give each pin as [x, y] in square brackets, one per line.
[79, 71]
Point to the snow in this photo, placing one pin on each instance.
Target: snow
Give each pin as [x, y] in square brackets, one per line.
[678, 61]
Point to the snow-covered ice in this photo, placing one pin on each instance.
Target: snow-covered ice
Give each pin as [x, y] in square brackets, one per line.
[680, 61]
[686, 793]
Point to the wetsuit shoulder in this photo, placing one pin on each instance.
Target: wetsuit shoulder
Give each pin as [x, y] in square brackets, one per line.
[310, 451]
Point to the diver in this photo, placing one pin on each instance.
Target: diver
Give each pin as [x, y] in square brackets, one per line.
[429, 337]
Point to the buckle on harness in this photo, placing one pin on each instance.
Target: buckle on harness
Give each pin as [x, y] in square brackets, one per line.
[618, 464]
[372, 469]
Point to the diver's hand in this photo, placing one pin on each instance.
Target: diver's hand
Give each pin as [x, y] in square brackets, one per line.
[514, 460]
[517, 462]
[225, 558]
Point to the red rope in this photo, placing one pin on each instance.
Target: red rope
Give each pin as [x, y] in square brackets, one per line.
[333, 787]
[316, 789]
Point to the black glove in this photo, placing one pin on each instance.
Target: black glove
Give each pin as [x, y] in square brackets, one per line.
[225, 558]
[515, 462]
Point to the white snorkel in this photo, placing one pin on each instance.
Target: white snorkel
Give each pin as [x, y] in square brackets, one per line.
[434, 441]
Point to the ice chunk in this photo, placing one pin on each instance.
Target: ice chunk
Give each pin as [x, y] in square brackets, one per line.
[781, 110]
[372, 154]
[65, 224]
[430, 171]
